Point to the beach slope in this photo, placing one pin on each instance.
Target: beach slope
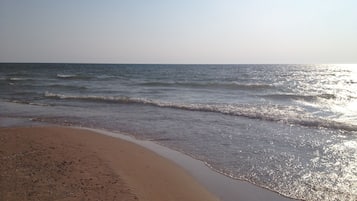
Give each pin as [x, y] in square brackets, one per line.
[57, 163]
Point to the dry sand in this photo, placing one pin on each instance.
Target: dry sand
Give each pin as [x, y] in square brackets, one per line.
[56, 163]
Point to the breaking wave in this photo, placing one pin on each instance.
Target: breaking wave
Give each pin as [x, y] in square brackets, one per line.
[65, 75]
[18, 79]
[213, 85]
[73, 76]
[277, 113]
[299, 97]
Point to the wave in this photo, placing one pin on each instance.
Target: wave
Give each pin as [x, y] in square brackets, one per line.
[276, 113]
[18, 79]
[28, 103]
[215, 85]
[299, 97]
[46, 86]
[69, 87]
[118, 99]
[73, 76]
[65, 75]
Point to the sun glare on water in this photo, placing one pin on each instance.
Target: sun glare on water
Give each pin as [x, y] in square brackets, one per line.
[340, 80]
[350, 87]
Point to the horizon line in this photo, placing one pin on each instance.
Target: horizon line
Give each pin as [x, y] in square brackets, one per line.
[139, 63]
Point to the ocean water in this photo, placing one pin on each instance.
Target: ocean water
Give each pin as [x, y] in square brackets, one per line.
[288, 128]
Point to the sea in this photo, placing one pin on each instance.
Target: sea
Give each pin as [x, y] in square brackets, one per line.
[288, 128]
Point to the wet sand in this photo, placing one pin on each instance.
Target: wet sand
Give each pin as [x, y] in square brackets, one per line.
[56, 163]
[223, 187]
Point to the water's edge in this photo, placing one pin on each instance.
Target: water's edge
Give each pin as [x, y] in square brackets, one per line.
[224, 187]
[219, 184]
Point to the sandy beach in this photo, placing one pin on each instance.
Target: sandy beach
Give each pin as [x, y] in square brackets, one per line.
[56, 163]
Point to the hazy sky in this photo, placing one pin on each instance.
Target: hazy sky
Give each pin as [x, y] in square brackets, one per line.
[179, 31]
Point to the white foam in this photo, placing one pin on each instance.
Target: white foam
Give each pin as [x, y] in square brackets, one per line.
[65, 75]
[277, 113]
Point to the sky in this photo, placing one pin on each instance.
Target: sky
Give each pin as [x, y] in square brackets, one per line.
[179, 31]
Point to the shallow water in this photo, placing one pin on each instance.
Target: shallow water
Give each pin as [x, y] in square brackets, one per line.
[289, 128]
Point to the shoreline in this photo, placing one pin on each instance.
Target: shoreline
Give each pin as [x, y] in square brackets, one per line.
[222, 186]
[68, 164]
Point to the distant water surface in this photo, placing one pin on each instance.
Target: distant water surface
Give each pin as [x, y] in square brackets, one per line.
[289, 128]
